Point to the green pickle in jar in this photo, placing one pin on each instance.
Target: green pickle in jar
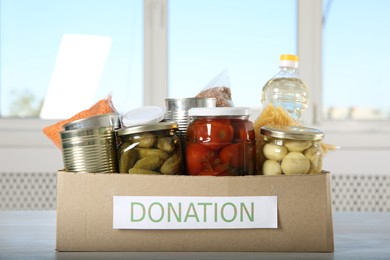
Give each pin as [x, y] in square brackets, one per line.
[150, 149]
[290, 150]
[220, 141]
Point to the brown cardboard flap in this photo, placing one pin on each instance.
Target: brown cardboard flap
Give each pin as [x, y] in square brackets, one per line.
[85, 213]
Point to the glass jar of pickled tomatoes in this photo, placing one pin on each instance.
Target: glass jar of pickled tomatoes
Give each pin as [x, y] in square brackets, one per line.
[220, 141]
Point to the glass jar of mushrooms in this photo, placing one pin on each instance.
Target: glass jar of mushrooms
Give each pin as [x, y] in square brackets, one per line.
[290, 150]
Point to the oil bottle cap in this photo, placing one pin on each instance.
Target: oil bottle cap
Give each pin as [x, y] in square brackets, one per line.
[289, 60]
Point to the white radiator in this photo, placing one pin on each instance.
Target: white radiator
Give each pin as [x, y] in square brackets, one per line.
[37, 191]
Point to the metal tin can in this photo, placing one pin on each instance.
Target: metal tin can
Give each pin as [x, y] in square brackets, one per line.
[150, 149]
[220, 141]
[89, 150]
[290, 150]
[176, 109]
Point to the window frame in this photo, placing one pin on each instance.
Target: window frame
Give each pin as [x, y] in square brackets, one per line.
[19, 134]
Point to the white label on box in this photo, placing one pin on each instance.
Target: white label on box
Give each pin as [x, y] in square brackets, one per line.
[162, 212]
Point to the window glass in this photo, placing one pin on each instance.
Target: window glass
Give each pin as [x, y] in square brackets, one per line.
[355, 40]
[80, 50]
[245, 37]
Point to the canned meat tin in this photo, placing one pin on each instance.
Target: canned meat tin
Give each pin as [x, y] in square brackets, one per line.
[290, 150]
[220, 141]
[150, 149]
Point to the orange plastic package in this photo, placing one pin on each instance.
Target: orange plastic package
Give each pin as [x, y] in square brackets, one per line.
[103, 106]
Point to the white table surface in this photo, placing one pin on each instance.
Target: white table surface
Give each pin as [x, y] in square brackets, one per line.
[32, 235]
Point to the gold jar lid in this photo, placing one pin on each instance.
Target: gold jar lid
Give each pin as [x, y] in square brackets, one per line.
[292, 132]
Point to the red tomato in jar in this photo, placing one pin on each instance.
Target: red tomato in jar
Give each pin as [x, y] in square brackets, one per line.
[214, 134]
[190, 133]
[243, 131]
[199, 159]
[233, 155]
[240, 158]
[251, 152]
[220, 169]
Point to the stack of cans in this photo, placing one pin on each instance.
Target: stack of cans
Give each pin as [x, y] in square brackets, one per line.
[177, 111]
[89, 145]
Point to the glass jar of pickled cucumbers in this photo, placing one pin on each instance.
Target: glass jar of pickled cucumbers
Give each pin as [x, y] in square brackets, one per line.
[150, 149]
[290, 150]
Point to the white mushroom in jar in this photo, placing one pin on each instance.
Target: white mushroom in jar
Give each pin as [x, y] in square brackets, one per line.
[271, 167]
[297, 146]
[295, 163]
[274, 152]
[314, 155]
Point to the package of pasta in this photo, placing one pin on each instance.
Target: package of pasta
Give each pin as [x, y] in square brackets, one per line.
[219, 88]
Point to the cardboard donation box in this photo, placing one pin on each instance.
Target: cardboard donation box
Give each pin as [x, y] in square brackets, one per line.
[122, 212]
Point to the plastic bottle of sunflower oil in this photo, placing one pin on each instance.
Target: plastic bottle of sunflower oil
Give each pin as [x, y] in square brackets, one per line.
[286, 89]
